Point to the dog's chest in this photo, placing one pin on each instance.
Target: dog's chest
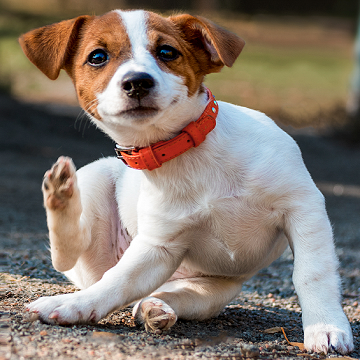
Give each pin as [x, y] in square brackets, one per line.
[234, 235]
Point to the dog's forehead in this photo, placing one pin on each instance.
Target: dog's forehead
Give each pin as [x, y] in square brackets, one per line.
[137, 29]
[139, 24]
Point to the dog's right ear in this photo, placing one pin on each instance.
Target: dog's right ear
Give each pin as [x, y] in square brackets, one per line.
[51, 47]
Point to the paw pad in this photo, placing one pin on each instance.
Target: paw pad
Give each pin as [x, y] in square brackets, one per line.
[58, 184]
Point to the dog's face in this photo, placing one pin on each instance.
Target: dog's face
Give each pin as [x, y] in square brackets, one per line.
[134, 70]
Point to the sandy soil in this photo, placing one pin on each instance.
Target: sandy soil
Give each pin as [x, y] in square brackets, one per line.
[31, 139]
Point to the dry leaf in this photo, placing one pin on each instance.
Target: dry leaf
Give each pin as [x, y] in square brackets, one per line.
[299, 345]
[273, 330]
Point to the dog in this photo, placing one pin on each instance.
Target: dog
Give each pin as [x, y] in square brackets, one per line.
[209, 194]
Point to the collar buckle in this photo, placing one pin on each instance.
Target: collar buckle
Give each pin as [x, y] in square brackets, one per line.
[126, 149]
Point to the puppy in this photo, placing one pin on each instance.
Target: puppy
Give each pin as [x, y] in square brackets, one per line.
[211, 193]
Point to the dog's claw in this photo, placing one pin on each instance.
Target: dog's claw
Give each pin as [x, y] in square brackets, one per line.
[54, 315]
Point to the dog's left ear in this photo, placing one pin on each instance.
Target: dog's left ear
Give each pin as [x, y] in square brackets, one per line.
[222, 46]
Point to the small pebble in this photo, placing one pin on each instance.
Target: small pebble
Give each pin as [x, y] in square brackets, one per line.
[250, 351]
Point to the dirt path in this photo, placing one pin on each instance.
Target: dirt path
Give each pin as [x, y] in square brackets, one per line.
[32, 137]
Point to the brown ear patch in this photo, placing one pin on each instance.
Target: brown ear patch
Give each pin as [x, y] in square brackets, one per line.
[50, 47]
[223, 47]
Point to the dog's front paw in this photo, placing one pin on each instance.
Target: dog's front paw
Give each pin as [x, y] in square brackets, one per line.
[324, 338]
[59, 184]
[64, 309]
[155, 314]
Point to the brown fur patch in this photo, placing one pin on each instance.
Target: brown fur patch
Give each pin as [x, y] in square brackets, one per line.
[49, 47]
[108, 33]
[190, 35]
[67, 45]
[190, 65]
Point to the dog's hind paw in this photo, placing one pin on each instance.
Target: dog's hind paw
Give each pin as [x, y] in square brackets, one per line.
[156, 315]
[325, 338]
[59, 184]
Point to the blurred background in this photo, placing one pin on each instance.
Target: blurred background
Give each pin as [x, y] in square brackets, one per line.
[296, 65]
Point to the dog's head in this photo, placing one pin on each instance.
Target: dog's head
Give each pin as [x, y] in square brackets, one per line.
[138, 75]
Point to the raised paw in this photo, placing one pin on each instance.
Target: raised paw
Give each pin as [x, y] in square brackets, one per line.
[59, 184]
[325, 338]
[156, 315]
[64, 309]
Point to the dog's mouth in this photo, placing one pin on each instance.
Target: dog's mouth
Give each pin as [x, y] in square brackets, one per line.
[140, 112]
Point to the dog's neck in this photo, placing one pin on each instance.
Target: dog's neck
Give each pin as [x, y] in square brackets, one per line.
[153, 156]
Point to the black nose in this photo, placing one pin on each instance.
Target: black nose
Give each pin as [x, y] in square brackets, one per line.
[137, 84]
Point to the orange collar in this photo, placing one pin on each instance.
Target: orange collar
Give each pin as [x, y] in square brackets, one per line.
[153, 156]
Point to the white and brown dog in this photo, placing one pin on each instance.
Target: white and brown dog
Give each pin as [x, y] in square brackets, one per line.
[205, 207]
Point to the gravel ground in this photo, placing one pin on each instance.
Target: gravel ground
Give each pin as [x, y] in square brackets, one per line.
[32, 137]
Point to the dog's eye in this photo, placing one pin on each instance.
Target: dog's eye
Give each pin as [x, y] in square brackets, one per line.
[167, 53]
[98, 57]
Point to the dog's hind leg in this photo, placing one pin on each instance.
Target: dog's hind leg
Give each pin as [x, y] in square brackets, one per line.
[196, 298]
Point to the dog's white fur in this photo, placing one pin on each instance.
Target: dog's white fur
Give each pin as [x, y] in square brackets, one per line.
[207, 220]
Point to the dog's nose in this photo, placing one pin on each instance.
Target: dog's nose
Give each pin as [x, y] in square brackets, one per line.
[137, 84]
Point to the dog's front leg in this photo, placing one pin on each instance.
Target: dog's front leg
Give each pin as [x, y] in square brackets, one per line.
[145, 265]
[316, 278]
[69, 233]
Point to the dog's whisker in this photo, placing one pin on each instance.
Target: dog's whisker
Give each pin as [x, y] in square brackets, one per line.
[84, 115]
[79, 118]
[90, 106]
